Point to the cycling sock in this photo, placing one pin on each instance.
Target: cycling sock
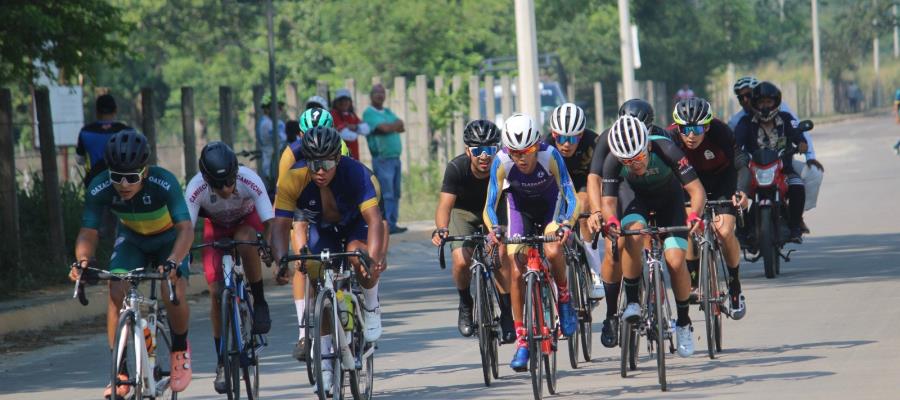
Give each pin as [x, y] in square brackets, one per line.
[595, 261]
[326, 349]
[371, 295]
[218, 346]
[734, 282]
[256, 289]
[564, 295]
[632, 287]
[796, 201]
[612, 297]
[179, 341]
[683, 308]
[506, 318]
[693, 268]
[300, 305]
[465, 297]
[520, 334]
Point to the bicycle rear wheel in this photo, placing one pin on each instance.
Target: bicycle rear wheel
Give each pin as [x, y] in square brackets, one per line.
[484, 321]
[724, 300]
[231, 356]
[533, 326]
[662, 325]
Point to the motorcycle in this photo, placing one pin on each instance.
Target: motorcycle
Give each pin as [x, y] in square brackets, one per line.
[768, 235]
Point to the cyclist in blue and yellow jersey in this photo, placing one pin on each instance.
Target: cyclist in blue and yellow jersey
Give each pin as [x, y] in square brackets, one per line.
[576, 145]
[154, 229]
[339, 199]
[658, 173]
[538, 191]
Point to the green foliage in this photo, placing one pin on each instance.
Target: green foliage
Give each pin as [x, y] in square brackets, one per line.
[442, 107]
[421, 188]
[74, 36]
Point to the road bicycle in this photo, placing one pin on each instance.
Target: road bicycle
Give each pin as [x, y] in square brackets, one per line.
[580, 284]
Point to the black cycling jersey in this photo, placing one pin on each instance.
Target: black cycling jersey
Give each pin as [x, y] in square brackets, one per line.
[667, 163]
[459, 180]
[713, 159]
[579, 164]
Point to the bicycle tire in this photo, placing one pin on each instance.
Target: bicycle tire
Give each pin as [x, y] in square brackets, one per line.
[496, 332]
[724, 297]
[163, 362]
[121, 349]
[533, 316]
[576, 302]
[662, 326]
[550, 359]
[708, 297]
[362, 379]
[624, 346]
[586, 324]
[325, 307]
[484, 324]
[231, 358]
[249, 360]
[308, 323]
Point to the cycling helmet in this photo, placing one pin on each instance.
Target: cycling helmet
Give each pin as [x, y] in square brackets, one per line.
[481, 133]
[314, 117]
[519, 132]
[765, 90]
[639, 109]
[218, 164]
[567, 120]
[320, 142]
[744, 83]
[127, 150]
[627, 137]
[692, 111]
[316, 101]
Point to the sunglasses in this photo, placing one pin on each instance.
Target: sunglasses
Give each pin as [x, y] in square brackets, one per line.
[636, 159]
[697, 130]
[122, 178]
[520, 153]
[566, 139]
[325, 165]
[478, 151]
[218, 184]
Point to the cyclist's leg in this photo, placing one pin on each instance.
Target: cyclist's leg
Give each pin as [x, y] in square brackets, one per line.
[300, 237]
[724, 225]
[635, 214]
[672, 213]
[127, 255]
[356, 237]
[246, 231]
[463, 223]
[519, 223]
[212, 270]
[159, 247]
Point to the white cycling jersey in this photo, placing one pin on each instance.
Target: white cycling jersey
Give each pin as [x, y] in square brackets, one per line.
[249, 195]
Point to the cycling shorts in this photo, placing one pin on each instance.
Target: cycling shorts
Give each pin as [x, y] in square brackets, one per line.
[668, 205]
[212, 258]
[132, 251]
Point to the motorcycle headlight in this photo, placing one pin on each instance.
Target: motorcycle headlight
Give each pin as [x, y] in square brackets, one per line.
[765, 176]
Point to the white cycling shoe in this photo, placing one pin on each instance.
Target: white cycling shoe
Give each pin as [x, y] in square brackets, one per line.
[685, 338]
[632, 313]
[327, 381]
[597, 291]
[373, 324]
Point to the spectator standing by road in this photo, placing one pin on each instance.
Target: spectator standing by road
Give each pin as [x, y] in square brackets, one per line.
[93, 137]
[347, 122]
[385, 146]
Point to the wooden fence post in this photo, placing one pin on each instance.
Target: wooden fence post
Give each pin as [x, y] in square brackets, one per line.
[226, 116]
[422, 132]
[257, 114]
[55, 228]
[506, 107]
[9, 205]
[490, 108]
[400, 108]
[294, 106]
[456, 127]
[474, 98]
[189, 136]
[598, 106]
[440, 135]
[147, 123]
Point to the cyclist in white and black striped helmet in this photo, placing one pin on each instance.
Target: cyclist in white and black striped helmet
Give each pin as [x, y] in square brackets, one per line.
[576, 144]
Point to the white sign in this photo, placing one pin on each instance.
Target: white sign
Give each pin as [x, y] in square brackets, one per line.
[635, 48]
[66, 109]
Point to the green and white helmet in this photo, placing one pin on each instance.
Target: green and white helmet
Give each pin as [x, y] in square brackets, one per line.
[314, 117]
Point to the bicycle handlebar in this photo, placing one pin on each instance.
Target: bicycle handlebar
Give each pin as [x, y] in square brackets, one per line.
[136, 275]
[325, 257]
[228, 244]
[459, 238]
[531, 239]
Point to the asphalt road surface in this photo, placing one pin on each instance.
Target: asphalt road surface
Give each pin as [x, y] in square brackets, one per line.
[826, 328]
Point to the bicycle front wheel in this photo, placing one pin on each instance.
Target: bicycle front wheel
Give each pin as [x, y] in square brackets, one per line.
[662, 326]
[586, 320]
[125, 344]
[249, 358]
[231, 352]
[578, 304]
[534, 326]
[363, 376]
[484, 321]
[326, 359]
[163, 352]
[708, 297]
[549, 304]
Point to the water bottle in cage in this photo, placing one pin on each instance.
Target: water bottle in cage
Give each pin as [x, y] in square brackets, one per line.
[345, 309]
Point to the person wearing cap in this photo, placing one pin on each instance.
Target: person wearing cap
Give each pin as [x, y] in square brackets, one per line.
[93, 137]
[386, 146]
[347, 122]
[266, 137]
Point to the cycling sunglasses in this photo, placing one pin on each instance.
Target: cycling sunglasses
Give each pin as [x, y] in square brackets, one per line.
[636, 159]
[122, 178]
[325, 165]
[478, 151]
[697, 130]
[561, 139]
[519, 153]
[218, 184]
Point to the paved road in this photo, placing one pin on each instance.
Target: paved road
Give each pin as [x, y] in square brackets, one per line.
[826, 328]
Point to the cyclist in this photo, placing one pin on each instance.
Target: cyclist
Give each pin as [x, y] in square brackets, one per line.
[771, 128]
[538, 190]
[235, 205]
[461, 203]
[657, 171]
[709, 145]
[154, 227]
[339, 199]
[576, 145]
[612, 270]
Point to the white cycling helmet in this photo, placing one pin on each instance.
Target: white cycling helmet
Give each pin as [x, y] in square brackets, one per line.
[316, 101]
[627, 137]
[520, 132]
[747, 82]
[567, 120]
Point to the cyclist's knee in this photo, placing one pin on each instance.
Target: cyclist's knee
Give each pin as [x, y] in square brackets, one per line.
[675, 259]
[245, 232]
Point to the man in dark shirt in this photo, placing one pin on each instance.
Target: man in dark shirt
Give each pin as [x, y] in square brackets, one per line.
[93, 137]
[463, 194]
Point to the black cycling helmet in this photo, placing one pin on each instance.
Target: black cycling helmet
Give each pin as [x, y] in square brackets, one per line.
[765, 90]
[320, 142]
[127, 150]
[481, 133]
[692, 111]
[218, 165]
[639, 109]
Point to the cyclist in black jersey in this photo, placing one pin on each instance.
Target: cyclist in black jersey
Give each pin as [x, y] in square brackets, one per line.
[576, 145]
[459, 209]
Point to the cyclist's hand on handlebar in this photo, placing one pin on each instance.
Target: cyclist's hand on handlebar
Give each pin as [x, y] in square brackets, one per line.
[170, 267]
[75, 271]
[612, 228]
[740, 200]
[438, 234]
[564, 231]
[496, 235]
[595, 222]
[695, 222]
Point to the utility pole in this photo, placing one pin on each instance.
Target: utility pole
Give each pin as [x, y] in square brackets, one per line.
[526, 53]
[625, 50]
[273, 106]
[896, 33]
[817, 58]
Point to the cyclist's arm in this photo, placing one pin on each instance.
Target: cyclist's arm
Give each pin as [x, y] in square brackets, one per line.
[698, 195]
[372, 216]
[442, 215]
[449, 188]
[86, 243]
[566, 188]
[281, 228]
[299, 235]
[192, 196]
[182, 242]
[610, 187]
[498, 175]
[595, 192]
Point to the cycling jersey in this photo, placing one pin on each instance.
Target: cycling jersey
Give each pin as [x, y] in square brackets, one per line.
[667, 163]
[470, 191]
[249, 195]
[354, 187]
[92, 143]
[548, 185]
[602, 149]
[714, 162]
[579, 164]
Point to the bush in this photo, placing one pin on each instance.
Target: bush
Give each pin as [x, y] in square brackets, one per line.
[421, 189]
